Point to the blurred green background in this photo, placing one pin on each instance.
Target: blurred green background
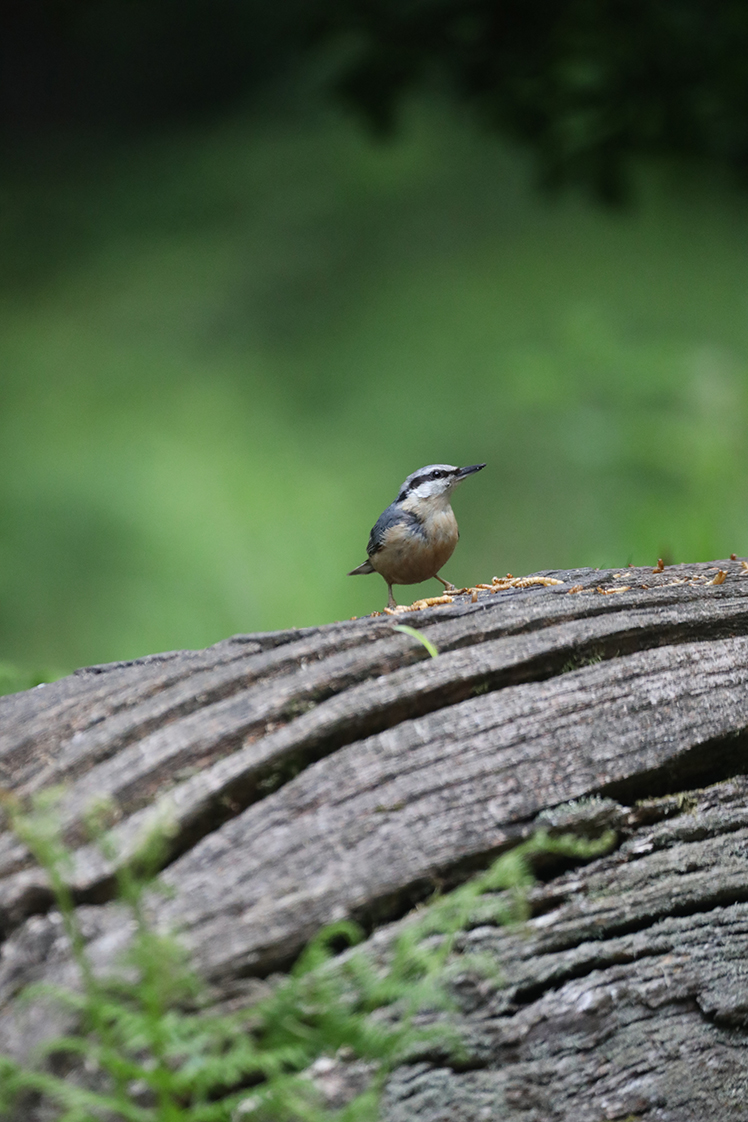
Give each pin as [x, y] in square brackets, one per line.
[224, 342]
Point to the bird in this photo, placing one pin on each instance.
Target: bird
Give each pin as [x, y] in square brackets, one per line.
[416, 535]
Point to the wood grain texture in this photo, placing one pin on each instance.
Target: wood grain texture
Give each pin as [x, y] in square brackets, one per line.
[625, 997]
[340, 771]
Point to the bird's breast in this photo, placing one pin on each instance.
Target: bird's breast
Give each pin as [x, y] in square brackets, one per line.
[408, 557]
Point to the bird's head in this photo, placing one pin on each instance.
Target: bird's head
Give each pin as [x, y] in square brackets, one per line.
[433, 480]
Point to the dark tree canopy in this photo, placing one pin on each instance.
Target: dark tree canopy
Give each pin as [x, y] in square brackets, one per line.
[586, 84]
[128, 63]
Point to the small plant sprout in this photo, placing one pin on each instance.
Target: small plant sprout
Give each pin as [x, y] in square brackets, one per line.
[408, 630]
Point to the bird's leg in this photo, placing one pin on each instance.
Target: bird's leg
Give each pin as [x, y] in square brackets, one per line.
[449, 587]
[391, 601]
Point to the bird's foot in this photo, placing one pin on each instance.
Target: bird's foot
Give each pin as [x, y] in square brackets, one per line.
[448, 587]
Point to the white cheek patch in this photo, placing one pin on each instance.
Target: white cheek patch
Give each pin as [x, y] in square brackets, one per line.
[428, 489]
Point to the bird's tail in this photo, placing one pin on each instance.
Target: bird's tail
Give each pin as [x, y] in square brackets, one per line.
[367, 567]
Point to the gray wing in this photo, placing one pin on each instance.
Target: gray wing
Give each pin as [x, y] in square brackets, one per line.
[394, 515]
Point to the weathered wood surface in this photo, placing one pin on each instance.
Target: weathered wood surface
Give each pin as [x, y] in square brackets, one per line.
[339, 771]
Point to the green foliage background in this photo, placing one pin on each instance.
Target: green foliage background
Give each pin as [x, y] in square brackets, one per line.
[223, 346]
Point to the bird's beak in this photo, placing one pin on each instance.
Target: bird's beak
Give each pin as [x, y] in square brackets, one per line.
[464, 472]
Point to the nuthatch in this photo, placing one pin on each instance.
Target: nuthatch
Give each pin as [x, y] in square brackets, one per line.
[417, 533]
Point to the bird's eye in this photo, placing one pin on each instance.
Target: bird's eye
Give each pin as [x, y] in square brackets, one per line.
[437, 474]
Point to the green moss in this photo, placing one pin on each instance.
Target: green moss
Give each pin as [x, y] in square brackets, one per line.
[579, 662]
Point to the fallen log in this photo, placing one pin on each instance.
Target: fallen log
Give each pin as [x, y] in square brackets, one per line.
[342, 772]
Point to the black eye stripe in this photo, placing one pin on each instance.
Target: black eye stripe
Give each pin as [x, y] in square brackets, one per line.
[427, 478]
